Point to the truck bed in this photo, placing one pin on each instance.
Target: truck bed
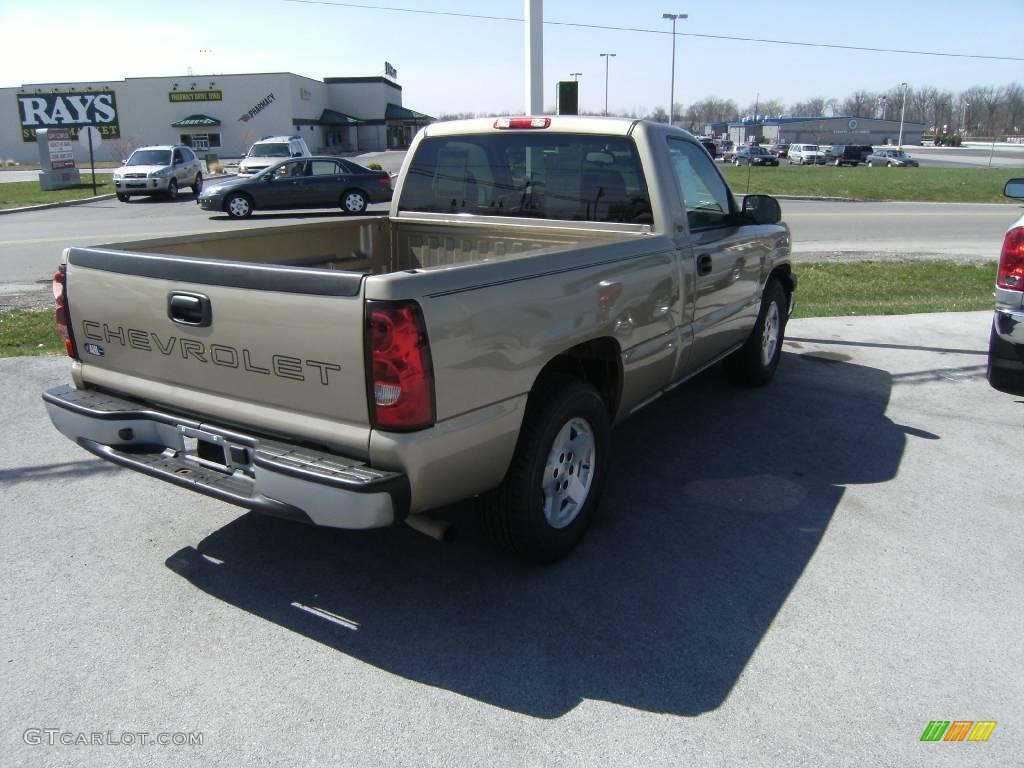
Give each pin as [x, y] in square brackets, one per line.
[365, 245]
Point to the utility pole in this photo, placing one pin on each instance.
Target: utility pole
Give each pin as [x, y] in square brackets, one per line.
[607, 58]
[672, 96]
[903, 111]
[534, 57]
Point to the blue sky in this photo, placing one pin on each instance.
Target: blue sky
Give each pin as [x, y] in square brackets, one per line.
[448, 64]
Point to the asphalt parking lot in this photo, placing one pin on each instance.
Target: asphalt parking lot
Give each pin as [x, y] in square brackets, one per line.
[801, 575]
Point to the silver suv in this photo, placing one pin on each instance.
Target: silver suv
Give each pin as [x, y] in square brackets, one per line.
[1006, 340]
[159, 170]
[271, 150]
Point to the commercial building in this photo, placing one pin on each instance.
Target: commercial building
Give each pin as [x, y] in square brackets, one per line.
[222, 114]
[817, 130]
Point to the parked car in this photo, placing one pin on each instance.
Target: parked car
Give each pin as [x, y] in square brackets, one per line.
[272, 149]
[847, 154]
[709, 145]
[806, 154]
[159, 170]
[304, 182]
[779, 150]
[754, 156]
[891, 158]
[726, 149]
[1006, 339]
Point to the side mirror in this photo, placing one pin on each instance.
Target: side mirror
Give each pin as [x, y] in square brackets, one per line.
[1014, 188]
[762, 209]
[296, 154]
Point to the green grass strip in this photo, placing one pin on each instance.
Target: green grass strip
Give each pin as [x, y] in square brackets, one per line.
[946, 185]
[18, 194]
[892, 287]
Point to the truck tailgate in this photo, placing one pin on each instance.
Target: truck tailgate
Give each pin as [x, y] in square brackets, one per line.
[275, 348]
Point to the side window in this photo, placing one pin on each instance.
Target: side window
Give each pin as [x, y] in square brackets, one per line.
[325, 168]
[705, 194]
[187, 155]
[177, 157]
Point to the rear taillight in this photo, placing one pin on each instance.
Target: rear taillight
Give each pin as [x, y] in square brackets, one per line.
[60, 296]
[522, 122]
[385, 180]
[1011, 261]
[401, 374]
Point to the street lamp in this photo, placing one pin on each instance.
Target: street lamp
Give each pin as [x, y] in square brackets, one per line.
[672, 97]
[963, 119]
[575, 75]
[607, 58]
[903, 111]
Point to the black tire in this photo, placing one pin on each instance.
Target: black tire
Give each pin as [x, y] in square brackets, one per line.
[123, 198]
[755, 362]
[197, 185]
[1008, 377]
[890, 164]
[737, 162]
[839, 164]
[521, 516]
[870, 164]
[238, 206]
[353, 202]
[172, 189]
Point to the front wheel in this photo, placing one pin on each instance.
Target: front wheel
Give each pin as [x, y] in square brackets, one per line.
[870, 164]
[554, 483]
[890, 164]
[197, 184]
[123, 198]
[353, 202]
[736, 163]
[755, 362]
[238, 206]
[172, 189]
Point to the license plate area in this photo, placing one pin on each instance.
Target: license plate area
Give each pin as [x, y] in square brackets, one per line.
[215, 451]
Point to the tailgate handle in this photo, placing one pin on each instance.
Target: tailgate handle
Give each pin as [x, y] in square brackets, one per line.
[189, 308]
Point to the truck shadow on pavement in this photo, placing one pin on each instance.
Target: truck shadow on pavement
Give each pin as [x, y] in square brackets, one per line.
[717, 500]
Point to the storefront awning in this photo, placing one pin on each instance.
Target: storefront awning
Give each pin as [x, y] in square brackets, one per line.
[329, 117]
[395, 112]
[196, 121]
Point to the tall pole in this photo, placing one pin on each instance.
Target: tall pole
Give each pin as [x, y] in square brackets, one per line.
[963, 118]
[575, 76]
[534, 57]
[607, 58]
[672, 96]
[903, 111]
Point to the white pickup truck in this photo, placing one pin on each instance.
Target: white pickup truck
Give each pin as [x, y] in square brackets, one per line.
[538, 279]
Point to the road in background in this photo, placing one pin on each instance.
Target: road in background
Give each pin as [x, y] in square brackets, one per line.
[805, 574]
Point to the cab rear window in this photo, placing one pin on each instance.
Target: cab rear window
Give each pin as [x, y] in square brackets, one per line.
[536, 174]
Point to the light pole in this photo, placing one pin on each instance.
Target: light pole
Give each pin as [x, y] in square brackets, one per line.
[963, 118]
[903, 111]
[575, 75]
[672, 97]
[607, 58]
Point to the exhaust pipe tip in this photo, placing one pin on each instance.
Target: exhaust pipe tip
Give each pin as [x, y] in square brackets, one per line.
[439, 530]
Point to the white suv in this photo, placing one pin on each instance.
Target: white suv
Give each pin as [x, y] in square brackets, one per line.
[159, 170]
[272, 149]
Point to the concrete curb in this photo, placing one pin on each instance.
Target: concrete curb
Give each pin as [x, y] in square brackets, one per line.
[83, 200]
[62, 204]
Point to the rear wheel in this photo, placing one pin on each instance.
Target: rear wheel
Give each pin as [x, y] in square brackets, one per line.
[238, 206]
[755, 362]
[172, 189]
[353, 202]
[554, 483]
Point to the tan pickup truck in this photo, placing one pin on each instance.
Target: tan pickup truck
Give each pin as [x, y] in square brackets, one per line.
[537, 280]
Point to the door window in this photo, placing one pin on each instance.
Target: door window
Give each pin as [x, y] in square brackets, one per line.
[705, 194]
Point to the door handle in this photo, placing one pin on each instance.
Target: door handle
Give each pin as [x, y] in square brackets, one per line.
[704, 264]
[189, 309]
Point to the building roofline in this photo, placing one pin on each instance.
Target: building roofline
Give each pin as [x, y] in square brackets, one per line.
[377, 79]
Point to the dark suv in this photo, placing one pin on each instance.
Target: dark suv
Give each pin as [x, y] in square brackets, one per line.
[848, 154]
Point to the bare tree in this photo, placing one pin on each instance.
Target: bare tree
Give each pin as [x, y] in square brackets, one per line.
[766, 107]
[860, 104]
[812, 107]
